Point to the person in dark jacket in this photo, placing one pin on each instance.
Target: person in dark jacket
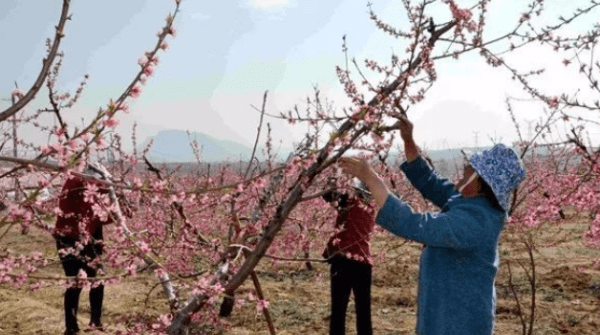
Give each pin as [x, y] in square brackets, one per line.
[80, 225]
[348, 253]
[460, 258]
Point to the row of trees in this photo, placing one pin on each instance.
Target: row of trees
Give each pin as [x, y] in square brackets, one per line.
[204, 234]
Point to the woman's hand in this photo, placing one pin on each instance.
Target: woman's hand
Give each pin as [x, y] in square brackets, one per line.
[357, 167]
[360, 168]
[406, 128]
[411, 150]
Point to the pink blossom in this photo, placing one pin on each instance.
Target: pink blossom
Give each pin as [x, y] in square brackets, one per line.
[137, 183]
[17, 93]
[82, 274]
[100, 142]
[111, 122]
[152, 58]
[36, 255]
[20, 279]
[165, 319]
[142, 61]
[159, 272]
[553, 102]
[459, 14]
[57, 147]
[172, 31]
[135, 91]
[123, 106]
[91, 190]
[144, 248]
[43, 182]
[377, 138]
[132, 270]
[178, 1]
[159, 185]
[60, 132]
[261, 305]
[164, 45]
[259, 183]
[35, 286]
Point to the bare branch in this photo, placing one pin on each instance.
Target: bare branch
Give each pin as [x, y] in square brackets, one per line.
[47, 62]
[262, 114]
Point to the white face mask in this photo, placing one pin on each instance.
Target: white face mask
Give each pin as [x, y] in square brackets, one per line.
[470, 180]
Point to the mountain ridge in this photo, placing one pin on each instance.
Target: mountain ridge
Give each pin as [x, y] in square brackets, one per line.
[173, 146]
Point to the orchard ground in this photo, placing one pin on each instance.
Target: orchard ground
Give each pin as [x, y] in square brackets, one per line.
[567, 290]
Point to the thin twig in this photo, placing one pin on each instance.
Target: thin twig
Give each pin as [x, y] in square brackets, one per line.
[261, 296]
[512, 288]
[262, 114]
[533, 287]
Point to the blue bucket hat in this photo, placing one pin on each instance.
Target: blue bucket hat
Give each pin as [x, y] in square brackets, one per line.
[501, 168]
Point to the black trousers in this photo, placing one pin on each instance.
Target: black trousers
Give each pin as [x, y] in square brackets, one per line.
[350, 276]
[72, 263]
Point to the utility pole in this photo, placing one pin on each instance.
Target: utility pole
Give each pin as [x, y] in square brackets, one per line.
[529, 129]
[476, 135]
[110, 155]
[530, 134]
[15, 149]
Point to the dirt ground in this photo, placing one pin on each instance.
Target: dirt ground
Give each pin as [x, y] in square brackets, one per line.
[567, 292]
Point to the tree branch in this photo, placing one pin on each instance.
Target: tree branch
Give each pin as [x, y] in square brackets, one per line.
[47, 62]
[262, 114]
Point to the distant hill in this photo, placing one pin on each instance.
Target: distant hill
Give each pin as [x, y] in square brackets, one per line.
[173, 146]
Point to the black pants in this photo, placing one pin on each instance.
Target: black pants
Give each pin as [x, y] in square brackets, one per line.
[350, 276]
[72, 263]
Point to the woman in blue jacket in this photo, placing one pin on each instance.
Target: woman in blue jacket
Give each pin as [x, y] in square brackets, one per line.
[459, 262]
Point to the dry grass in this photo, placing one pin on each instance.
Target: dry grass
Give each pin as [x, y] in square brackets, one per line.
[568, 292]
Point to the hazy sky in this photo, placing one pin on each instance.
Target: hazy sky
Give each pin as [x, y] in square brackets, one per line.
[227, 53]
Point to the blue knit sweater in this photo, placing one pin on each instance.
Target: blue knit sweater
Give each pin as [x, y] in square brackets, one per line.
[458, 265]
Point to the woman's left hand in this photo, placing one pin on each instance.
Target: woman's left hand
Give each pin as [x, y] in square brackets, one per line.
[360, 168]
[357, 167]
